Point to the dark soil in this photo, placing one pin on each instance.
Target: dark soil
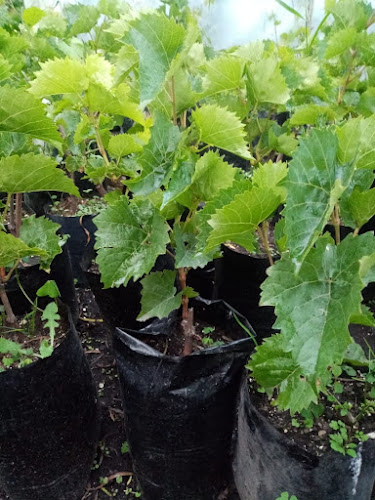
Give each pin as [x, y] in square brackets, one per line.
[72, 206]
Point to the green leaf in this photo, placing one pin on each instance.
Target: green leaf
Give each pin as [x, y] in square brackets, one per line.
[13, 249]
[266, 82]
[225, 197]
[272, 365]
[83, 18]
[32, 15]
[49, 289]
[357, 142]
[60, 76]
[238, 221]
[159, 296]
[129, 238]
[180, 182]
[29, 172]
[361, 206]
[314, 306]
[212, 174]
[51, 317]
[314, 184]
[157, 157]
[187, 253]
[6, 68]
[340, 42]
[21, 113]
[41, 233]
[221, 128]
[124, 144]
[312, 114]
[223, 74]
[158, 41]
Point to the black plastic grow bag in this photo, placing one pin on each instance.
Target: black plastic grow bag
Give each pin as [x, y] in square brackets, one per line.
[80, 243]
[180, 411]
[49, 426]
[266, 464]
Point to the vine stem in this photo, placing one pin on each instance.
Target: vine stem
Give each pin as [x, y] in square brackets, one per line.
[18, 214]
[10, 316]
[99, 187]
[187, 322]
[263, 235]
[336, 222]
[7, 205]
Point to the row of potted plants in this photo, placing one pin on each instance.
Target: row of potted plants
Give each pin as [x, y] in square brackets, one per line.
[197, 165]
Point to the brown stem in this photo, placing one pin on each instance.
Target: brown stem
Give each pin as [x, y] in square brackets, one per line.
[263, 235]
[336, 222]
[174, 102]
[101, 189]
[187, 322]
[10, 316]
[7, 206]
[184, 119]
[18, 214]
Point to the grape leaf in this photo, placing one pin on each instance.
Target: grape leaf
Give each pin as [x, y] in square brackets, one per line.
[238, 220]
[266, 82]
[41, 233]
[60, 76]
[312, 114]
[361, 206]
[124, 144]
[158, 41]
[187, 253]
[49, 289]
[21, 113]
[180, 182]
[314, 306]
[159, 296]
[12, 249]
[224, 197]
[357, 142]
[272, 365]
[30, 172]
[32, 15]
[340, 42]
[157, 157]
[224, 74]
[314, 184]
[6, 68]
[129, 238]
[222, 128]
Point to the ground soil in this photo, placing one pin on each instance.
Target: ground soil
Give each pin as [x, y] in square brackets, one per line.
[72, 206]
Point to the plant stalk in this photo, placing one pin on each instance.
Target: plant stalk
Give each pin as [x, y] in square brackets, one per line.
[173, 90]
[336, 222]
[5, 212]
[187, 322]
[10, 316]
[342, 89]
[263, 235]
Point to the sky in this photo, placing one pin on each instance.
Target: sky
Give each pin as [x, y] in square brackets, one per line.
[231, 22]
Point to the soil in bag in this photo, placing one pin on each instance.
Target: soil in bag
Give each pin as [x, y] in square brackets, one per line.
[180, 410]
[48, 425]
[268, 463]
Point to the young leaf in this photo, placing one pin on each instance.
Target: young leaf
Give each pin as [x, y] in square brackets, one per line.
[272, 365]
[30, 172]
[357, 142]
[187, 252]
[314, 306]
[60, 76]
[180, 182]
[129, 238]
[6, 68]
[158, 41]
[159, 296]
[238, 221]
[224, 74]
[361, 206]
[22, 113]
[52, 317]
[13, 249]
[124, 144]
[157, 157]
[41, 233]
[266, 82]
[314, 184]
[312, 114]
[221, 128]
[49, 289]
[32, 15]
